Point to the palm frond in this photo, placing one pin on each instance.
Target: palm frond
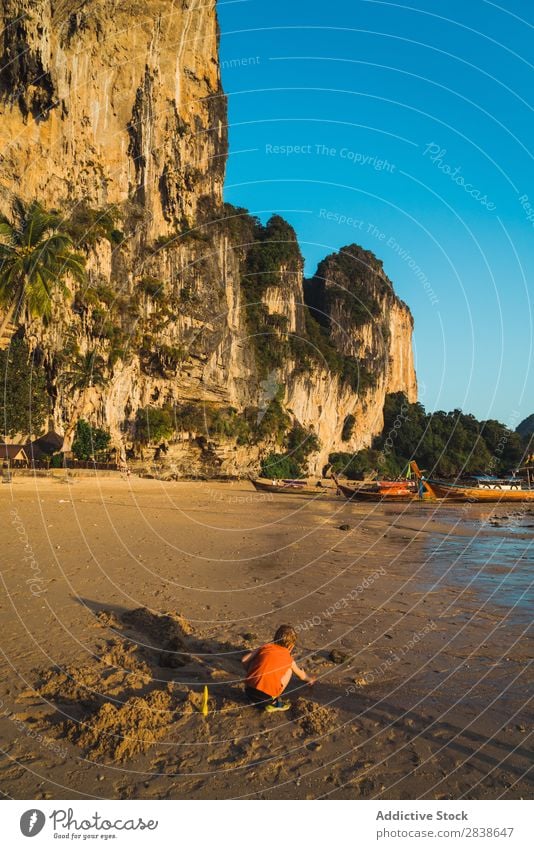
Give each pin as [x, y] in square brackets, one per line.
[6, 231]
[35, 259]
[74, 264]
[38, 223]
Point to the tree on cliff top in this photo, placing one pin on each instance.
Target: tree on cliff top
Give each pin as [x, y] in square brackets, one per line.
[526, 427]
[275, 246]
[35, 258]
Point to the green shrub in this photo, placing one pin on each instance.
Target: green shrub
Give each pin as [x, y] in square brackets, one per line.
[89, 442]
[359, 280]
[84, 299]
[152, 288]
[274, 422]
[86, 225]
[227, 422]
[162, 360]
[170, 356]
[238, 224]
[358, 465]
[154, 424]
[446, 444]
[117, 352]
[214, 422]
[348, 427]
[105, 294]
[99, 315]
[190, 418]
[116, 237]
[266, 251]
[187, 295]
[277, 466]
[356, 375]
[315, 347]
[57, 461]
[270, 349]
[165, 241]
[299, 444]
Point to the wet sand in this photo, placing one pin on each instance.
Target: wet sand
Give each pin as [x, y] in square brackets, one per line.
[427, 611]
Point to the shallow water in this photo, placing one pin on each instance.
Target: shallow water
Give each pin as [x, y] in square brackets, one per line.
[498, 567]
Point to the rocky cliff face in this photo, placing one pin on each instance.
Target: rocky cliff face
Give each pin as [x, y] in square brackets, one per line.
[113, 114]
[113, 102]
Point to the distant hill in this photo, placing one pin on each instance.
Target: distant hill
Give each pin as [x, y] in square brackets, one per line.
[526, 428]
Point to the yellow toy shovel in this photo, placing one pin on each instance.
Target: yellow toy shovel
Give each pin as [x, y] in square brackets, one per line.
[204, 705]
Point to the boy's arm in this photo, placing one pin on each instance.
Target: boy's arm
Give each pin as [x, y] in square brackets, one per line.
[245, 660]
[309, 679]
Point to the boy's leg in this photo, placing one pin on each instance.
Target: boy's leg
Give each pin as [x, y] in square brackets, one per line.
[279, 703]
[257, 697]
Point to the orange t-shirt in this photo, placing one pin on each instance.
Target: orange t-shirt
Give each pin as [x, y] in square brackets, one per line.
[267, 668]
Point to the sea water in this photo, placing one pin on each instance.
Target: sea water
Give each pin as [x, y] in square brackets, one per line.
[495, 561]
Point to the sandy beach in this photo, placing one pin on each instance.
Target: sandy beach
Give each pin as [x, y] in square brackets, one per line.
[122, 599]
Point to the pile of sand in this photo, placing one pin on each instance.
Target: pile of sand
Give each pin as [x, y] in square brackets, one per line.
[117, 733]
[116, 724]
[118, 668]
[159, 626]
[166, 632]
[106, 718]
[108, 619]
[314, 719]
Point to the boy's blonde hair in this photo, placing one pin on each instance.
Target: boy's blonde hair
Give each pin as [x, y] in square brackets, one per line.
[285, 636]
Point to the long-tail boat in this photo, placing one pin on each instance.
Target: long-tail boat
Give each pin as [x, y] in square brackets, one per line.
[292, 487]
[403, 490]
[480, 493]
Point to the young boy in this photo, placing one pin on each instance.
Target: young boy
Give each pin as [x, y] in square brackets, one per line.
[269, 670]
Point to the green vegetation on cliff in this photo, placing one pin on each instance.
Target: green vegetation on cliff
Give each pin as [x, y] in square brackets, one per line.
[314, 348]
[351, 282]
[293, 462]
[86, 226]
[271, 256]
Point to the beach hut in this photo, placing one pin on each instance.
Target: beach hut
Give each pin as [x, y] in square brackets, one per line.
[13, 455]
[45, 446]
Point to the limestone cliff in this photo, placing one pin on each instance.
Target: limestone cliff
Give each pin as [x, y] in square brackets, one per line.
[113, 114]
[113, 102]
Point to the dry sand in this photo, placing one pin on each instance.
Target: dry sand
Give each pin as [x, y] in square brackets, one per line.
[122, 599]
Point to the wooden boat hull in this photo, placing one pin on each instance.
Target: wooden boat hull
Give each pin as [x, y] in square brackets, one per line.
[478, 495]
[390, 496]
[292, 489]
[397, 487]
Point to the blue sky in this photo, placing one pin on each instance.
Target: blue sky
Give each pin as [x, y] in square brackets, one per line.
[407, 129]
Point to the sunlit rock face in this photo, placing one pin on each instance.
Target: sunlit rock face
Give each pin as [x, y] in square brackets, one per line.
[117, 109]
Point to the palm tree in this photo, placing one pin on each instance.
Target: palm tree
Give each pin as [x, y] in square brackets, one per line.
[86, 370]
[35, 258]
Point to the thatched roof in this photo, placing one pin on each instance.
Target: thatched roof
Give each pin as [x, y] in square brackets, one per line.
[45, 445]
